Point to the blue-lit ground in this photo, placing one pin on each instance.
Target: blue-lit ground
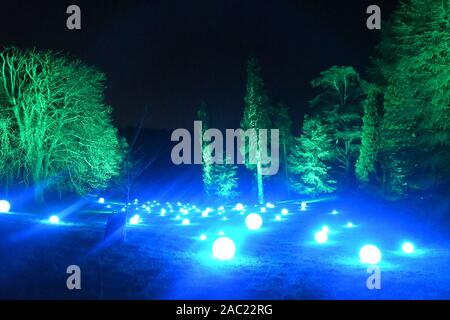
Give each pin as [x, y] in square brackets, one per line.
[164, 259]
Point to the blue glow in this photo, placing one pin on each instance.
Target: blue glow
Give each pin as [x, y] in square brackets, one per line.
[370, 254]
[263, 210]
[270, 205]
[205, 213]
[321, 236]
[303, 206]
[221, 208]
[408, 247]
[284, 211]
[253, 221]
[4, 206]
[53, 219]
[135, 219]
[101, 200]
[349, 225]
[224, 248]
[278, 218]
[186, 222]
[334, 212]
[239, 207]
[325, 229]
[163, 212]
[221, 233]
[203, 237]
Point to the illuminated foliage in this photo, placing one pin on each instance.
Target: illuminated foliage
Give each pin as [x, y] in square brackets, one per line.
[282, 121]
[56, 131]
[365, 165]
[413, 68]
[256, 116]
[308, 160]
[339, 105]
[219, 180]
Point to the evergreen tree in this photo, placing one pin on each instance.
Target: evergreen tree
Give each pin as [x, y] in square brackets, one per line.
[370, 138]
[413, 67]
[308, 160]
[219, 180]
[256, 116]
[282, 121]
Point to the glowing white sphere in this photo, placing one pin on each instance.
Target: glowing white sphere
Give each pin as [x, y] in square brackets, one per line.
[185, 222]
[334, 212]
[224, 248]
[177, 217]
[221, 208]
[278, 218]
[270, 205]
[239, 207]
[253, 221]
[284, 211]
[370, 254]
[321, 236]
[303, 206]
[101, 200]
[54, 219]
[4, 206]
[135, 219]
[263, 210]
[325, 229]
[408, 247]
[221, 233]
[203, 237]
[349, 225]
[205, 213]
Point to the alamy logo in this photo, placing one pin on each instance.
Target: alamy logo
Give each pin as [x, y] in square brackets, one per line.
[74, 280]
[247, 146]
[374, 280]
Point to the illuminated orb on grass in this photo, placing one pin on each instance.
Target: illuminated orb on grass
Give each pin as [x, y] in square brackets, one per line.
[370, 254]
[321, 236]
[253, 221]
[4, 206]
[53, 219]
[284, 211]
[408, 247]
[224, 248]
[185, 222]
[101, 200]
[303, 206]
[239, 207]
[135, 219]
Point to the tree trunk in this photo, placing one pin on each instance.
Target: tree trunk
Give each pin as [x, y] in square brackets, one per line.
[259, 179]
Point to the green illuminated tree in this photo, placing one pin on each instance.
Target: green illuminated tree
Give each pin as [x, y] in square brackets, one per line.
[256, 116]
[339, 105]
[54, 119]
[309, 157]
[219, 180]
[413, 67]
[370, 138]
[282, 121]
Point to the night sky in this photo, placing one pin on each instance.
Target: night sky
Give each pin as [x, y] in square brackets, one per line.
[171, 55]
